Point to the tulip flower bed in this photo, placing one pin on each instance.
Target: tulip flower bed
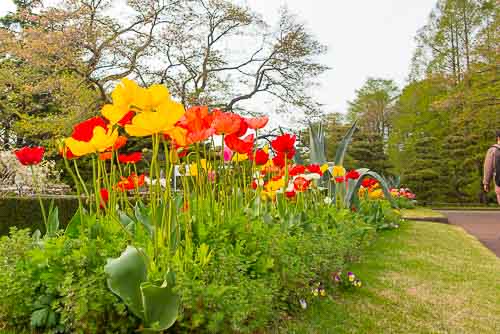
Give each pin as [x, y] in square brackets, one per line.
[248, 237]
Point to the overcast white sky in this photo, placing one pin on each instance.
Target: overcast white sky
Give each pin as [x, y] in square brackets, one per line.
[365, 38]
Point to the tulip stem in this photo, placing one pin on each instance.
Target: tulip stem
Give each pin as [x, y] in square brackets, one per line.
[42, 207]
[80, 178]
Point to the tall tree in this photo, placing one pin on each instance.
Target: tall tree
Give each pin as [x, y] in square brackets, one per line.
[373, 106]
[202, 59]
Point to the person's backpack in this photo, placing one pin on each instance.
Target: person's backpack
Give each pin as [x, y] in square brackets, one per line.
[497, 165]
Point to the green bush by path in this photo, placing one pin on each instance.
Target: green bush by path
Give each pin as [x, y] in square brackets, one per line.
[258, 272]
[423, 278]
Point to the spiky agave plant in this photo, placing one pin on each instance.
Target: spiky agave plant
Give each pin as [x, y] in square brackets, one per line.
[350, 198]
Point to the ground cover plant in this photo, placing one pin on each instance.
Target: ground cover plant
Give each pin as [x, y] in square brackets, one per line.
[245, 235]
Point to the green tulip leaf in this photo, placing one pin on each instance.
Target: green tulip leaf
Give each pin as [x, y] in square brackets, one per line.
[161, 306]
[125, 276]
[53, 221]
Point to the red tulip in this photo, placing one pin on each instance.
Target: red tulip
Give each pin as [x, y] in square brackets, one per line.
[339, 179]
[257, 122]
[284, 143]
[296, 170]
[226, 123]
[131, 182]
[66, 153]
[242, 146]
[126, 119]
[314, 168]
[243, 128]
[198, 122]
[368, 182]
[120, 142]
[104, 197]
[105, 156]
[131, 158]
[85, 130]
[353, 175]
[279, 160]
[261, 157]
[301, 184]
[290, 194]
[30, 155]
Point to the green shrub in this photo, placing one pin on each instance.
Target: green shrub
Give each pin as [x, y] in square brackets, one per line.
[58, 285]
[258, 271]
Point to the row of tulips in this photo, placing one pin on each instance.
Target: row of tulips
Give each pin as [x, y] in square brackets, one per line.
[158, 220]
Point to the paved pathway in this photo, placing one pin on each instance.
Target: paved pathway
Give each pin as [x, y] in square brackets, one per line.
[484, 225]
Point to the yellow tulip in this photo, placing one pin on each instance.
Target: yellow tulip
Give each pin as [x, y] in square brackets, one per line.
[148, 123]
[193, 168]
[338, 171]
[324, 168]
[238, 157]
[268, 195]
[178, 135]
[273, 186]
[113, 113]
[101, 141]
[376, 194]
[128, 95]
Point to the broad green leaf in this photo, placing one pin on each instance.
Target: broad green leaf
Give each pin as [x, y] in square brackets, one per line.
[39, 317]
[161, 306]
[125, 276]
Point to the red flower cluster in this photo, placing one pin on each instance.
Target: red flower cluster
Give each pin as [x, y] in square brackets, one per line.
[30, 155]
[352, 175]
[131, 158]
[131, 182]
[368, 182]
[314, 168]
[296, 170]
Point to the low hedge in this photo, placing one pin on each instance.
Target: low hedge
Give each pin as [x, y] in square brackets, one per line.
[24, 212]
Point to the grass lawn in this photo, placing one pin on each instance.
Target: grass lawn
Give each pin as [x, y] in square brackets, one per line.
[420, 212]
[422, 278]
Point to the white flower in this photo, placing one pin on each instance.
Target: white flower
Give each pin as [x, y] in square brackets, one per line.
[328, 200]
[303, 304]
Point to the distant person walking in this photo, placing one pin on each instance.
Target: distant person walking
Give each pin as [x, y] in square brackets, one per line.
[492, 168]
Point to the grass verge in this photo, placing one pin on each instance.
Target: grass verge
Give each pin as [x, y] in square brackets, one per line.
[422, 278]
[420, 212]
